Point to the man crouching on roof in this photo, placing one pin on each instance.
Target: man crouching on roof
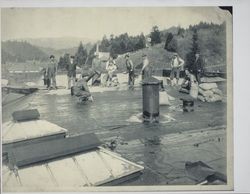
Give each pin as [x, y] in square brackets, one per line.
[81, 91]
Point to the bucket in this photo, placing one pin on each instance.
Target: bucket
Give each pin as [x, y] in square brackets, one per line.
[188, 105]
[150, 93]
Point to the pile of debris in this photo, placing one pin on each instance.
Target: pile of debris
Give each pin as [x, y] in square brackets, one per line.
[209, 92]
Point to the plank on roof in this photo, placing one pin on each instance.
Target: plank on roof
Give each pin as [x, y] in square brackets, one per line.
[29, 154]
[14, 132]
[92, 168]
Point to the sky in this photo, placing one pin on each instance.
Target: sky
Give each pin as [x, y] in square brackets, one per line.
[94, 23]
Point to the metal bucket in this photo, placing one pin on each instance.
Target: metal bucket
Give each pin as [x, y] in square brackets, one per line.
[188, 105]
[150, 93]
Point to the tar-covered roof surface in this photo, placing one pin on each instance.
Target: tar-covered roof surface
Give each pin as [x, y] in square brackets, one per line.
[162, 148]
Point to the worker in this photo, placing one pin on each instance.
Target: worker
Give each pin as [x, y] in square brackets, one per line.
[51, 71]
[111, 68]
[96, 68]
[177, 64]
[130, 70]
[71, 68]
[81, 90]
[146, 67]
[198, 67]
[188, 82]
[45, 77]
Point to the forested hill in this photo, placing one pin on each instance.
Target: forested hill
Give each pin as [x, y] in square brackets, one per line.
[14, 51]
[210, 40]
[159, 45]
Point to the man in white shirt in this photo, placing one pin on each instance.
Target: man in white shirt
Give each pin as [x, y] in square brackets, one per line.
[131, 70]
[51, 72]
[71, 67]
[146, 67]
[176, 66]
[111, 68]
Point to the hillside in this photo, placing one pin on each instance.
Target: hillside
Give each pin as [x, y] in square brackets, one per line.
[13, 51]
[211, 43]
[57, 43]
[60, 52]
[69, 50]
[157, 56]
[21, 51]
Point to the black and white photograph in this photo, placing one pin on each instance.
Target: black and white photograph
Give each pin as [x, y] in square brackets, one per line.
[117, 98]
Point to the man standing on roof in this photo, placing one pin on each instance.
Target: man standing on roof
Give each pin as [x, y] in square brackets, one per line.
[51, 71]
[176, 66]
[71, 67]
[146, 68]
[111, 68]
[131, 70]
[96, 67]
[198, 67]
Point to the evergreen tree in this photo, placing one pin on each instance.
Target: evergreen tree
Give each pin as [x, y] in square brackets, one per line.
[181, 32]
[64, 61]
[113, 52]
[155, 35]
[168, 40]
[81, 55]
[105, 44]
[142, 41]
[172, 46]
[190, 57]
[61, 63]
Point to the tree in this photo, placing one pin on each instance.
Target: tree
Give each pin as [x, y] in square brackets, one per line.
[172, 46]
[190, 57]
[181, 31]
[122, 44]
[105, 44]
[81, 55]
[155, 35]
[141, 42]
[61, 63]
[168, 40]
[113, 52]
[64, 61]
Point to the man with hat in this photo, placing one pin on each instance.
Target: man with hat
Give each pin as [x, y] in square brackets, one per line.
[111, 68]
[51, 71]
[146, 67]
[96, 67]
[198, 67]
[71, 67]
[81, 90]
[130, 70]
[176, 66]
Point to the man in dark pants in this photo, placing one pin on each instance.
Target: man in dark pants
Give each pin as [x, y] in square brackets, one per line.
[198, 67]
[176, 66]
[146, 68]
[81, 90]
[51, 71]
[130, 70]
[96, 68]
[71, 67]
[188, 81]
